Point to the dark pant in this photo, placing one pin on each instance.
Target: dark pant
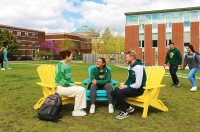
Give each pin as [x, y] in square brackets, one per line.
[1, 62]
[94, 88]
[119, 95]
[173, 69]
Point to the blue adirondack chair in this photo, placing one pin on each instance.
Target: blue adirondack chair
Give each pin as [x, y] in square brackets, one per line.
[100, 94]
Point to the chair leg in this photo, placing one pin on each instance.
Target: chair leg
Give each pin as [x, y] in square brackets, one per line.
[39, 103]
[159, 105]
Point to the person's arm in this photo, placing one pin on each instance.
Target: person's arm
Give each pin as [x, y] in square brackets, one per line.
[185, 61]
[179, 57]
[107, 79]
[139, 76]
[198, 60]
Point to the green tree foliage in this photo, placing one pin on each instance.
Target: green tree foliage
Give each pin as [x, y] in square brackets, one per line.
[8, 39]
[114, 45]
[66, 44]
[106, 35]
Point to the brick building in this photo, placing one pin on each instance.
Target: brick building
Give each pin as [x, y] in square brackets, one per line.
[28, 40]
[149, 32]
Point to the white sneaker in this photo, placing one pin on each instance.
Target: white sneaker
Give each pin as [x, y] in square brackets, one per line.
[110, 108]
[193, 89]
[3, 69]
[79, 113]
[92, 109]
[9, 68]
[130, 109]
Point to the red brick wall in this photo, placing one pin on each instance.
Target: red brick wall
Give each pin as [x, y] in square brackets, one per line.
[132, 40]
[178, 36]
[162, 50]
[194, 35]
[149, 52]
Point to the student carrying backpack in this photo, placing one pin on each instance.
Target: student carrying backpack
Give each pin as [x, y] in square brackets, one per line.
[51, 108]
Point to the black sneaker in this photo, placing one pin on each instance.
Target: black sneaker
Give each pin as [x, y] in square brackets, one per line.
[130, 109]
[177, 85]
[173, 85]
[122, 115]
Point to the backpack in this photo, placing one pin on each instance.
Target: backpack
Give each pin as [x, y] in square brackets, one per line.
[51, 108]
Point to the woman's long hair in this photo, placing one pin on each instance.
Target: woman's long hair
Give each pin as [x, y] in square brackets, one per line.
[192, 48]
[65, 53]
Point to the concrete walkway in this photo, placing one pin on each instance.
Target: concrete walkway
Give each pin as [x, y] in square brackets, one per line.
[180, 75]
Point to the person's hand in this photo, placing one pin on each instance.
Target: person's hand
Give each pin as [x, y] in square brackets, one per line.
[94, 81]
[165, 65]
[122, 86]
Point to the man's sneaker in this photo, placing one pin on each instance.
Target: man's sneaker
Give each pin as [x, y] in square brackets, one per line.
[79, 113]
[193, 89]
[110, 108]
[177, 85]
[173, 85]
[3, 69]
[122, 115]
[92, 109]
[130, 109]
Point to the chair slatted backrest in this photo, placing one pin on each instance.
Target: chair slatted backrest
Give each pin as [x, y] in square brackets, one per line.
[47, 74]
[154, 77]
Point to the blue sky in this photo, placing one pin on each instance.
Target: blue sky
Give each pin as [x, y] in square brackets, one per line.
[54, 16]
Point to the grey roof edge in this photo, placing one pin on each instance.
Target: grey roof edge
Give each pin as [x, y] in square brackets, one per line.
[163, 11]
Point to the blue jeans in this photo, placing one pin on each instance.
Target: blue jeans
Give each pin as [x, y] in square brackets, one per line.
[6, 60]
[191, 76]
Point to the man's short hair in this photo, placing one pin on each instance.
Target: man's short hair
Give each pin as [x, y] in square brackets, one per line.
[171, 43]
[132, 53]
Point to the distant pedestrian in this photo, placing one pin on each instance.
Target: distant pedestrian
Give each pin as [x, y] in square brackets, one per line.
[174, 58]
[5, 52]
[1, 57]
[193, 61]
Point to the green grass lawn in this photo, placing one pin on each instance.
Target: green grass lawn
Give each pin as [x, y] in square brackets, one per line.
[19, 93]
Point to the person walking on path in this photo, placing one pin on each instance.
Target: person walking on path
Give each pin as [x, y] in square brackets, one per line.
[5, 52]
[1, 57]
[174, 58]
[192, 59]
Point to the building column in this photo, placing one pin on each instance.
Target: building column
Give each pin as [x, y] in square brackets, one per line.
[195, 35]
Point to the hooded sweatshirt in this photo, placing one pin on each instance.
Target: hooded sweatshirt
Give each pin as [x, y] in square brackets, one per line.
[174, 57]
[136, 76]
[102, 77]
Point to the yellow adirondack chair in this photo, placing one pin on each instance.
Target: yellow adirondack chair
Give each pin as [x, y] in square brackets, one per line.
[152, 90]
[47, 76]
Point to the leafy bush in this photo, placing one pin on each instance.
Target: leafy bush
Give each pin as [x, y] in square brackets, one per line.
[26, 58]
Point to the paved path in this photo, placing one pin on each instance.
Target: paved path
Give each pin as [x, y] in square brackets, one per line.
[180, 75]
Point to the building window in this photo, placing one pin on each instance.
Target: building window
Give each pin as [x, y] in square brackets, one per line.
[19, 42]
[33, 53]
[26, 42]
[88, 46]
[141, 26]
[83, 46]
[186, 23]
[186, 44]
[154, 25]
[18, 33]
[26, 34]
[33, 43]
[141, 43]
[19, 52]
[132, 20]
[26, 52]
[11, 31]
[75, 44]
[155, 43]
[33, 35]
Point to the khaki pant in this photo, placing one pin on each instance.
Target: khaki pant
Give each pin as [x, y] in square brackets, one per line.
[75, 91]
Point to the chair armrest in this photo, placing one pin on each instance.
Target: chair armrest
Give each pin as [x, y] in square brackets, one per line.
[78, 82]
[46, 85]
[114, 82]
[85, 82]
[156, 86]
